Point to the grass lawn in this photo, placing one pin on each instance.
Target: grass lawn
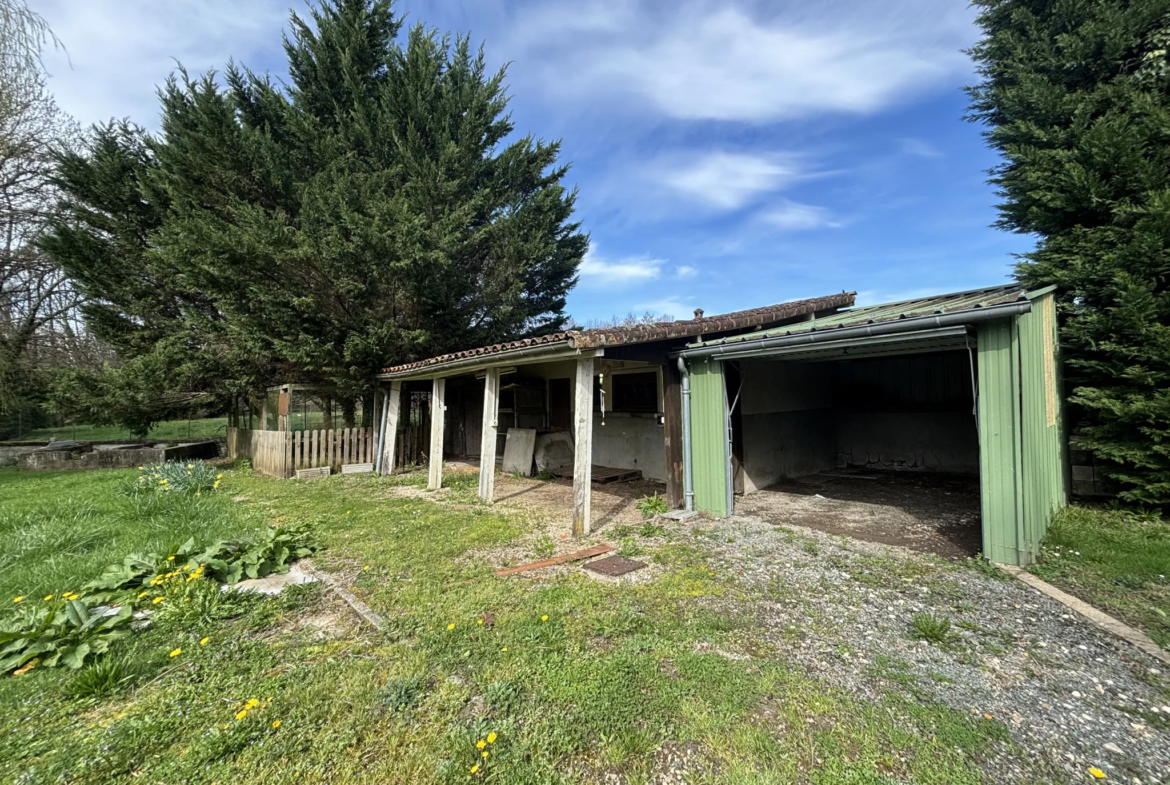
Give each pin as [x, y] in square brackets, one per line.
[170, 429]
[572, 679]
[1115, 561]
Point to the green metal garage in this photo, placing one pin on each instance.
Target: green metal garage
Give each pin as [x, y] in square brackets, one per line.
[965, 383]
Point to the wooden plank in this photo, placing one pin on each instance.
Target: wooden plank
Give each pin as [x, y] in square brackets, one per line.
[286, 469]
[596, 550]
[673, 434]
[604, 475]
[487, 445]
[582, 446]
[314, 450]
[438, 416]
[391, 425]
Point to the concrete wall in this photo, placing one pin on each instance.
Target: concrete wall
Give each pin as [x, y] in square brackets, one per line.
[935, 441]
[116, 458]
[630, 441]
[787, 421]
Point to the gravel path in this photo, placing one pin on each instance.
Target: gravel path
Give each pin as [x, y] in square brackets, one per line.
[1072, 696]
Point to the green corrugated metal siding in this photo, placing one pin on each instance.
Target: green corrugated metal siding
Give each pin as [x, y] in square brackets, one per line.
[1043, 451]
[708, 437]
[1021, 455]
[1000, 460]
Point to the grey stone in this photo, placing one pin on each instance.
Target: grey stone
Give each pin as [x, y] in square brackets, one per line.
[273, 584]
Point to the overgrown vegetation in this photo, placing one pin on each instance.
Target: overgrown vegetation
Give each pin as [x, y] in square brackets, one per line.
[1115, 560]
[178, 477]
[933, 629]
[565, 680]
[650, 506]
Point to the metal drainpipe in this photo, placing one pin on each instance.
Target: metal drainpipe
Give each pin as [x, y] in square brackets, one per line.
[688, 484]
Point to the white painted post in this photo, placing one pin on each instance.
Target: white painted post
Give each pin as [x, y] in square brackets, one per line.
[438, 415]
[487, 447]
[391, 403]
[583, 446]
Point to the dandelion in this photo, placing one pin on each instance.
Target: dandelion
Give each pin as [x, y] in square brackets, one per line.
[251, 703]
[450, 626]
[162, 481]
[197, 493]
[479, 745]
[215, 484]
[491, 739]
[204, 641]
[504, 649]
[481, 622]
[484, 753]
[544, 618]
[48, 597]
[1097, 773]
[176, 652]
[140, 468]
[475, 768]
[18, 599]
[275, 724]
[365, 568]
[143, 594]
[156, 600]
[219, 476]
[171, 557]
[190, 466]
[241, 714]
[347, 512]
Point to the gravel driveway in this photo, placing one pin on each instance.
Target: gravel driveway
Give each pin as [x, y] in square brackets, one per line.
[1071, 695]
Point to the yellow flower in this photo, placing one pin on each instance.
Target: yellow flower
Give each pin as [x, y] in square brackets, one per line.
[544, 618]
[190, 466]
[347, 512]
[157, 600]
[197, 493]
[186, 599]
[162, 482]
[492, 737]
[450, 626]
[365, 568]
[241, 714]
[1097, 773]
[215, 484]
[481, 622]
[143, 594]
[276, 723]
[171, 558]
[18, 599]
[48, 597]
[204, 641]
[475, 768]
[140, 468]
[251, 703]
[219, 476]
[176, 652]
[504, 649]
[479, 745]
[484, 753]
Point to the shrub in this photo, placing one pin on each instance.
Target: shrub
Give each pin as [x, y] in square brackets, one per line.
[59, 631]
[650, 506]
[190, 477]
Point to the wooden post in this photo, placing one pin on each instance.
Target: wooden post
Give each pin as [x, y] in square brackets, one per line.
[487, 446]
[264, 413]
[672, 434]
[582, 446]
[435, 457]
[392, 405]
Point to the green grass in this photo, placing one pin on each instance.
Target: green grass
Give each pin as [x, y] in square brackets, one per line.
[580, 679]
[1117, 562]
[170, 429]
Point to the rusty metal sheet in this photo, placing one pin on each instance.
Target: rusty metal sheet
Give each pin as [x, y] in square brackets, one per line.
[614, 566]
[282, 404]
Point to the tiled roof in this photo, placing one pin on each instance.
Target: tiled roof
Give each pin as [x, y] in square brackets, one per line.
[889, 312]
[645, 333]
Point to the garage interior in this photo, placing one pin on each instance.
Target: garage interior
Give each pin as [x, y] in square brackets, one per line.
[884, 448]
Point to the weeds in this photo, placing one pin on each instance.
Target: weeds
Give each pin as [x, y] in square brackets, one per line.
[651, 506]
[935, 630]
[104, 678]
[543, 548]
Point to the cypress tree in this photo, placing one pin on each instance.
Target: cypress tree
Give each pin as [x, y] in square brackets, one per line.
[1076, 94]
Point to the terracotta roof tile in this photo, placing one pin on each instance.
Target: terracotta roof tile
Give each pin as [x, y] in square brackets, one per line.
[645, 333]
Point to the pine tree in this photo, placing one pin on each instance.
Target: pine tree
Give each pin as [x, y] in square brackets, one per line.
[1077, 97]
[376, 210]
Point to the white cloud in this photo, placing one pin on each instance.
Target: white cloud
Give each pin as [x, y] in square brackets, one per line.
[121, 51]
[795, 216]
[709, 61]
[670, 306]
[723, 180]
[626, 270]
[920, 148]
[686, 271]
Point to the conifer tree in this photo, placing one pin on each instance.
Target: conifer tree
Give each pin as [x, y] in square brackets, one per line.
[1077, 97]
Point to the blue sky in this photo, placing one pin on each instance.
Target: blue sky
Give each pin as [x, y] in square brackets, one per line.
[728, 155]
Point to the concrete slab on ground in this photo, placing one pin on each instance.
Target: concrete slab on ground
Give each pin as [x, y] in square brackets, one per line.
[273, 585]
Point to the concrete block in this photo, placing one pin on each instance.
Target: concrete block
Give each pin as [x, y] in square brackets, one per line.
[313, 474]
[518, 451]
[357, 468]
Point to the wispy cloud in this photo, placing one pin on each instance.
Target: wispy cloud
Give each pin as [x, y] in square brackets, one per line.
[795, 216]
[686, 271]
[712, 61]
[723, 180]
[673, 307]
[596, 269]
[920, 148]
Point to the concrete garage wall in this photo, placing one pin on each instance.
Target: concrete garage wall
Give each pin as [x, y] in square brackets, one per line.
[630, 441]
[787, 421]
[934, 441]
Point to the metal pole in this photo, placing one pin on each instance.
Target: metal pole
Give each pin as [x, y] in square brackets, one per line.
[688, 485]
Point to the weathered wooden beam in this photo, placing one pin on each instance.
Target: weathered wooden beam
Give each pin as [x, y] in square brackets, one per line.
[672, 434]
[392, 405]
[487, 447]
[582, 446]
[438, 416]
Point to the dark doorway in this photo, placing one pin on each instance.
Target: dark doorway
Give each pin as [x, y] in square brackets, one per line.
[560, 404]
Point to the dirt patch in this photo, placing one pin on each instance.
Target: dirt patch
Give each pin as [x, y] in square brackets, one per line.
[930, 513]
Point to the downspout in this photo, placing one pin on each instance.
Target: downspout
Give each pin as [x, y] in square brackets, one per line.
[688, 483]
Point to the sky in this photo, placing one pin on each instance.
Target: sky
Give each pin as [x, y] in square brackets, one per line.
[728, 155]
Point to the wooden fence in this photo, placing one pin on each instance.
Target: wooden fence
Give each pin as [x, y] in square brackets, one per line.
[280, 453]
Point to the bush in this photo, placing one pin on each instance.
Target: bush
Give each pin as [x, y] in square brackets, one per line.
[190, 477]
[59, 631]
